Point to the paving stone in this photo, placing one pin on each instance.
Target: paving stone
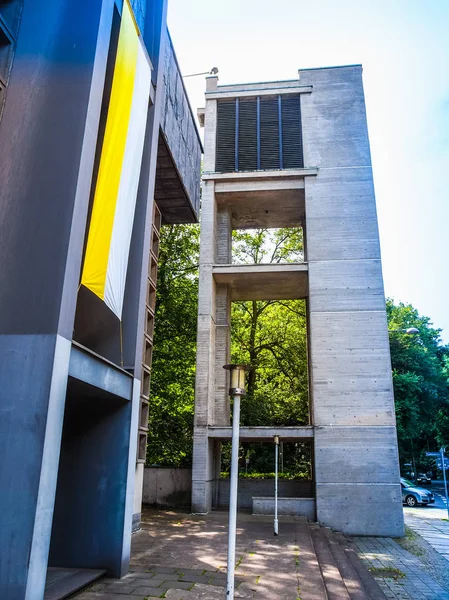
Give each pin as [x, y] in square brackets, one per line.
[196, 578]
[117, 588]
[164, 570]
[180, 585]
[153, 592]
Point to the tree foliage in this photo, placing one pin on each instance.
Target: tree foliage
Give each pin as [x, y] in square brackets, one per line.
[420, 379]
[271, 336]
[173, 368]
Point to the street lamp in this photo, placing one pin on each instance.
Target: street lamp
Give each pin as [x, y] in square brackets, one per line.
[276, 461]
[213, 71]
[236, 390]
[408, 331]
[443, 466]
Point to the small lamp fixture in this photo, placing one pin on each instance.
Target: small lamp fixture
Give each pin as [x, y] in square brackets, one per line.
[408, 331]
[237, 387]
[412, 331]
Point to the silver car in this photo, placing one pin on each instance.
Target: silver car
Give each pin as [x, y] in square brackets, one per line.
[414, 496]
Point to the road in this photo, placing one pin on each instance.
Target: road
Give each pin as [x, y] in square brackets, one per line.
[431, 522]
[433, 511]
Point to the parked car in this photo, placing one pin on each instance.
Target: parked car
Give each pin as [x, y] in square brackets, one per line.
[414, 496]
[423, 479]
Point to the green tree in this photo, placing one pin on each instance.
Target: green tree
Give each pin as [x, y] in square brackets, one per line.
[271, 336]
[420, 380]
[173, 368]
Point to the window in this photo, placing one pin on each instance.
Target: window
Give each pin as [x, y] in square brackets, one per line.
[262, 133]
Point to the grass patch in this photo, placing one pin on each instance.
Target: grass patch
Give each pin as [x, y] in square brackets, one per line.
[411, 542]
[390, 572]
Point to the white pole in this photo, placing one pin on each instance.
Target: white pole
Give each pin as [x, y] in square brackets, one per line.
[276, 460]
[444, 478]
[233, 499]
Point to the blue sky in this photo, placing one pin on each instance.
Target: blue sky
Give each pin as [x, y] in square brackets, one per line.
[404, 48]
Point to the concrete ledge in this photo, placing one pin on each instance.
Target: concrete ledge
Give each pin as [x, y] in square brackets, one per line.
[238, 92]
[262, 433]
[264, 281]
[283, 173]
[90, 368]
[264, 505]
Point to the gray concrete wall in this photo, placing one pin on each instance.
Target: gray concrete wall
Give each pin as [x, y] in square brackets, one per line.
[286, 506]
[167, 486]
[356, 456]
[179, 128]
[250, 488]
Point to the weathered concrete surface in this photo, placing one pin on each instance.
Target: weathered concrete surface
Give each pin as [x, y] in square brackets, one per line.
[250, 488]
[180, 133]
[286, 506]
[264, 282]
[167, 486]
[350, 369]
[356, 457]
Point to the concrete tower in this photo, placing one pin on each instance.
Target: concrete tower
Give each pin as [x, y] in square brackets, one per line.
[290, 154]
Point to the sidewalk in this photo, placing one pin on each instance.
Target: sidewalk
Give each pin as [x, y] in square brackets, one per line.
[400, 574]
[179, 556]
[183, 557]
[434, 531]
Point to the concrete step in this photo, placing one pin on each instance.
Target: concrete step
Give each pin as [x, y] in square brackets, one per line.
[310, 580]
[350, 578]
[370, 585]
[335, 587]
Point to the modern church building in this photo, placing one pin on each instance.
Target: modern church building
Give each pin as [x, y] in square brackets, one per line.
[98, 148]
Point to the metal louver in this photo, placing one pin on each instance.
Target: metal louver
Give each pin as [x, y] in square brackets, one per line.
[226, 121]
[262, 133]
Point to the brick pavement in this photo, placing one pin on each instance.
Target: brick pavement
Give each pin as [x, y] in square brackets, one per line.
[434, 531]
[385, 553]
[183, 557]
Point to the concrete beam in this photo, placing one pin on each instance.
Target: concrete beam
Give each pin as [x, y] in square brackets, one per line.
[239, 93]
[264, 282]
[270, 203]
[257, 175]
[263, 434]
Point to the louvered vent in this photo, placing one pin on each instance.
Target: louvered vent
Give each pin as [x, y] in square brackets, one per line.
[226, 147]
[269, 134]
[291, 133]
[262, 133]
[247, 138]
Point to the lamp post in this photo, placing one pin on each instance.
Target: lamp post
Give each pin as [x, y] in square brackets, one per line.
[443, 466]
[276, 462]
[213, 71]
[236, 390]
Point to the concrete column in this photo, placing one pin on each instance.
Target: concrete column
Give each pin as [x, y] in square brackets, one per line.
[223, 319]
[356, 455]
[203, 470]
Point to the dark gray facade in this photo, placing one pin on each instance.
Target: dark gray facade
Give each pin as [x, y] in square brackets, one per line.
[70, 412]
